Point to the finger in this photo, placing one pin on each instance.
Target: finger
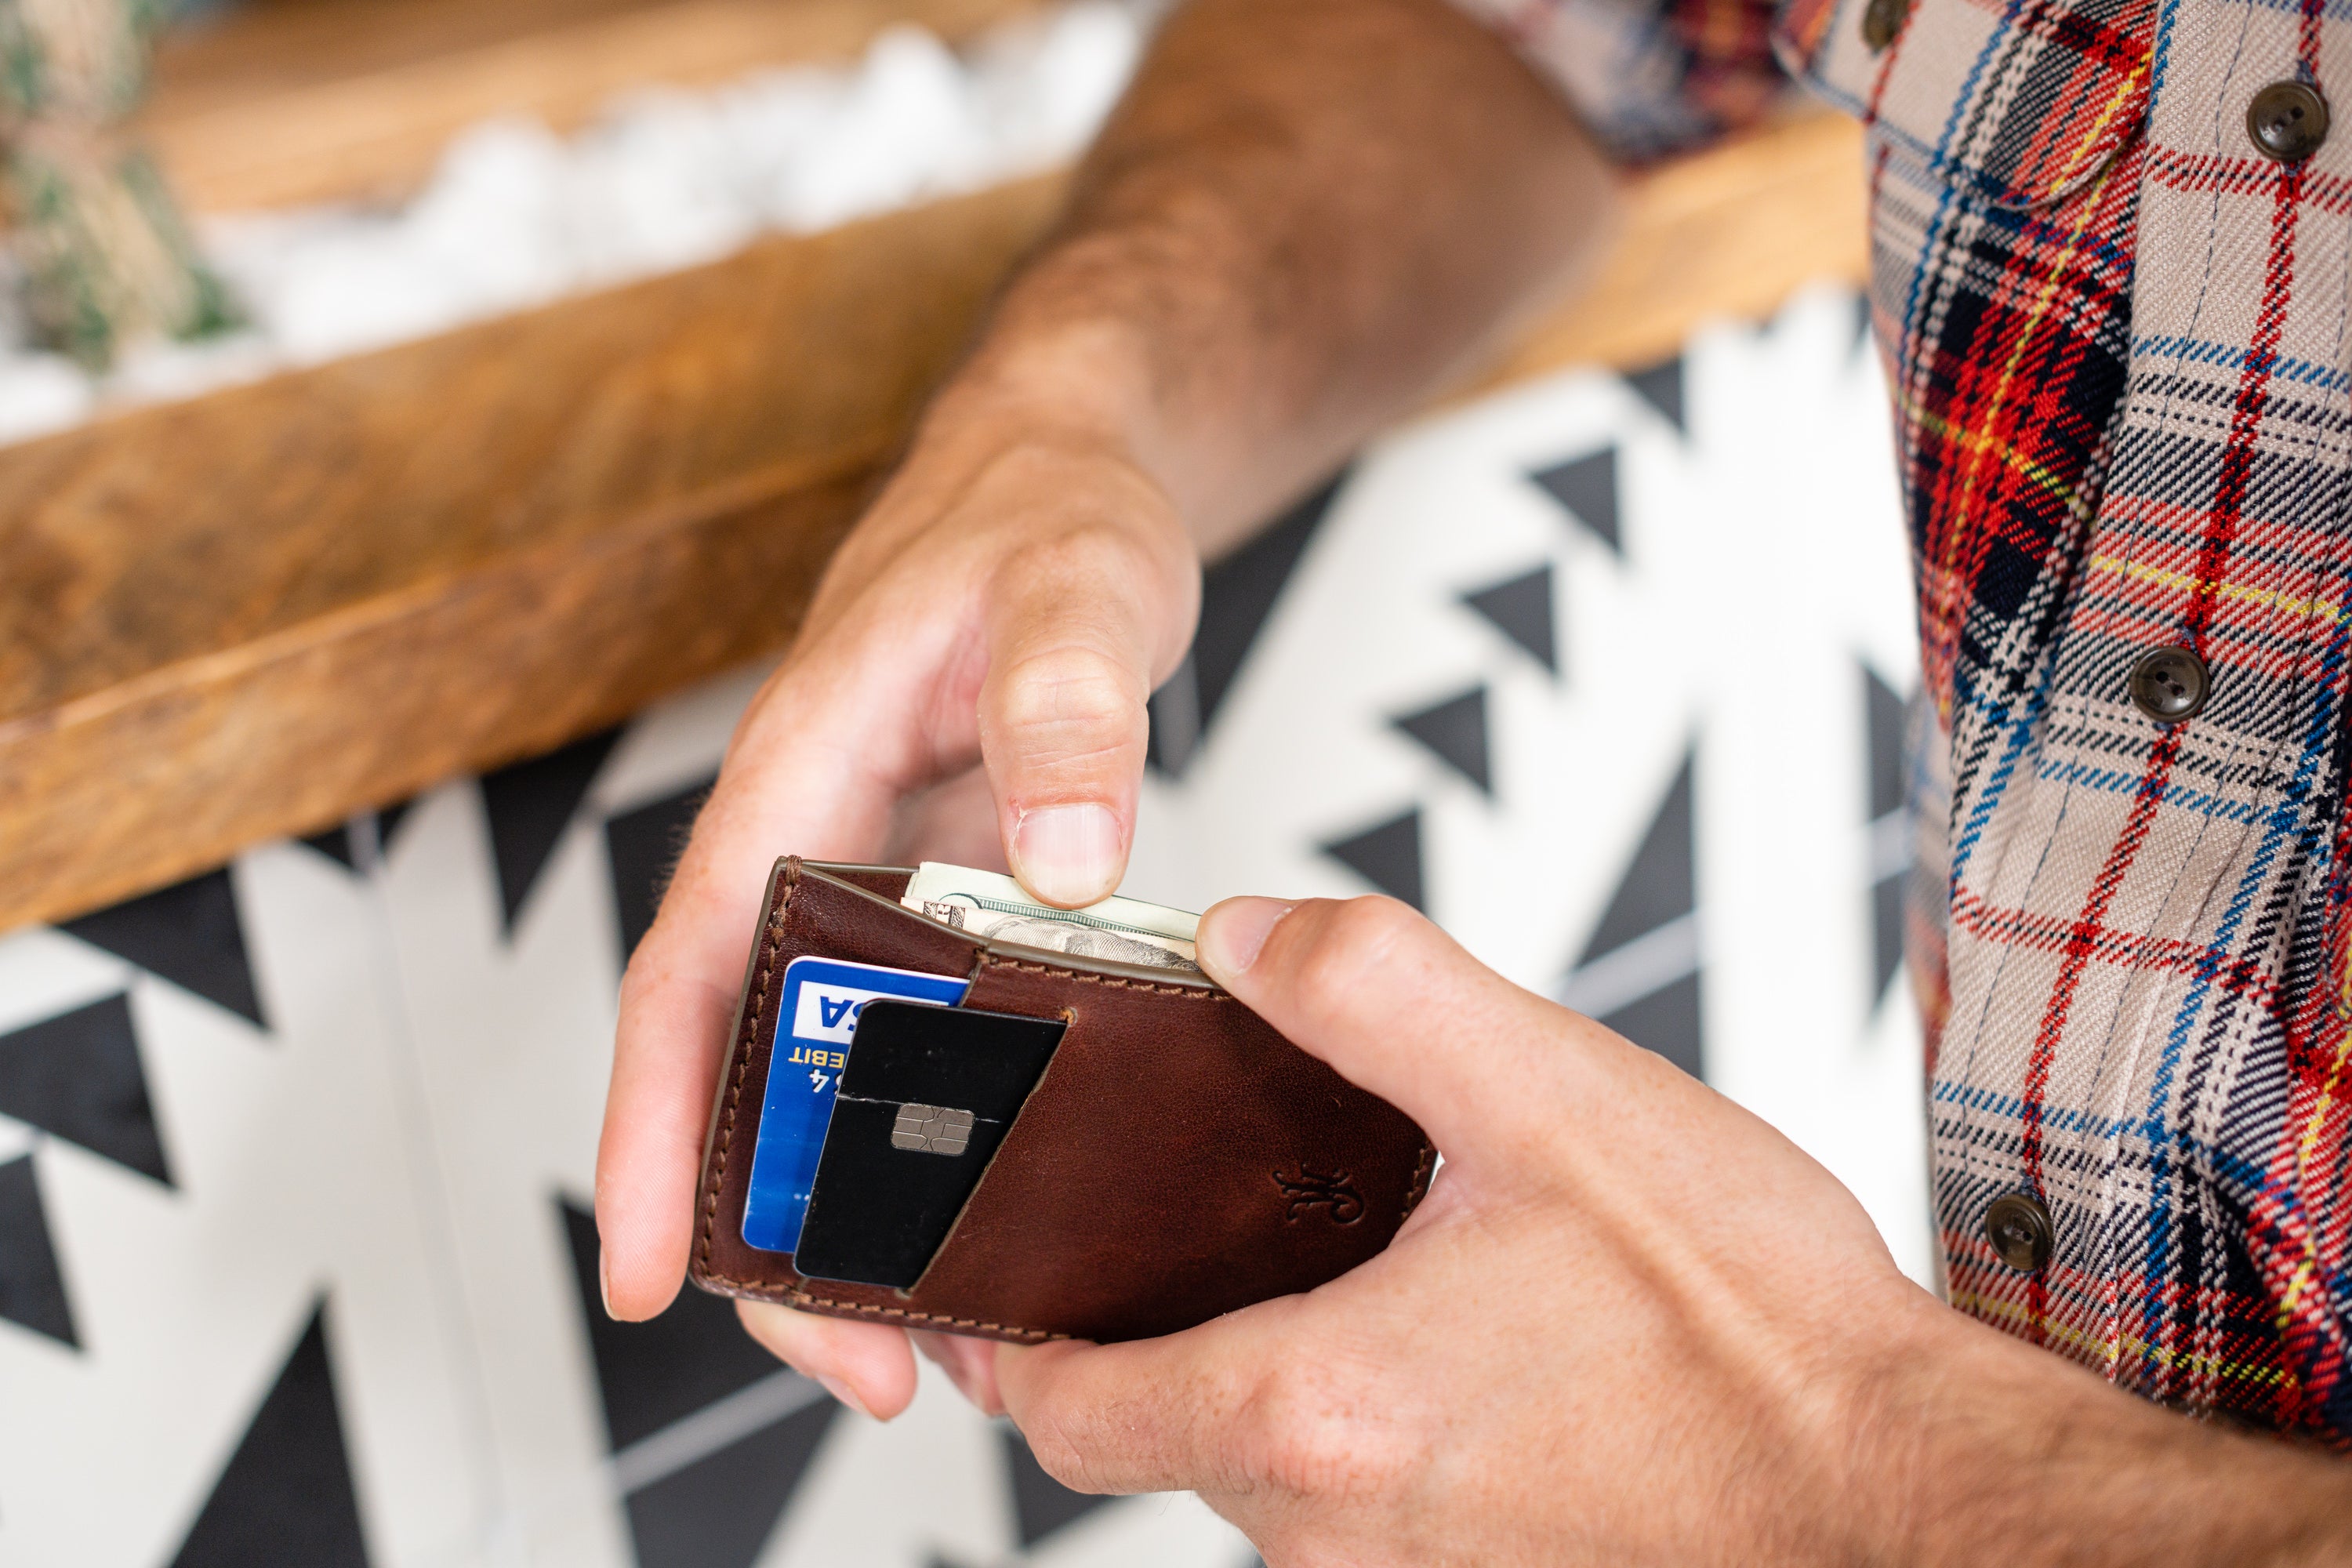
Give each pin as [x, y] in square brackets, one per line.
[1080, 627]
[1150, 1416]
[866, 1366]
[814, 771]
[1398, 1007]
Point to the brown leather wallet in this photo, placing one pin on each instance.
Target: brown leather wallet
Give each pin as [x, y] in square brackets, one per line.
[1176, 1159]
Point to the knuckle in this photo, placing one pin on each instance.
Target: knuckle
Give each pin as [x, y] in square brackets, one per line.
[1094, 550]
[1060, 1453]
[1303, 1436]
[1070, 702]
[1351, 941]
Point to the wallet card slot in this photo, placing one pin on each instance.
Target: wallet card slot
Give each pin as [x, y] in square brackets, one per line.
[928, 1096]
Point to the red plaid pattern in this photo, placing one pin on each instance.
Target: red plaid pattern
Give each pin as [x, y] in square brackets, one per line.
[2116, 336]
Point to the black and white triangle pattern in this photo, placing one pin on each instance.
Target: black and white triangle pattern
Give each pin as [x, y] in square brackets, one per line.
[296, 1260]
[340, 1100]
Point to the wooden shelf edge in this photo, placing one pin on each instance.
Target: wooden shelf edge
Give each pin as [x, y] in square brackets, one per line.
[652, 511]
[170, 780]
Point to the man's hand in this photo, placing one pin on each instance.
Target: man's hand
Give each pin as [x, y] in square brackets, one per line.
[1304, 213]
[1630, 1324]
[1012, 599]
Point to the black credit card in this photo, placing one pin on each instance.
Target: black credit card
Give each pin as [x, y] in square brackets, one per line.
[927, 1096]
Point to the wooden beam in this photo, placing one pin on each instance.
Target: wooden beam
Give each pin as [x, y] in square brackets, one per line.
[256, 611]
[288, 102]
[253, 613]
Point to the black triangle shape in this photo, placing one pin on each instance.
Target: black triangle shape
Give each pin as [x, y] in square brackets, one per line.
[1661, 386]
[1041, 1505]
[1455, 730]
[1862, 320]
[1666, 1021]
[286, 1495]
[719, 1511]
[388, 820]
[1521, 609]
[1388, 856]
[1886, 722]
[651, 1373]
[32, 1287]
[642, 847]
[1587, 487]
[1660, 883]
[1886, 911]
[335, 844]
[1238, 594]
[1175, 728]
[530, 803]
[78, 1076]
[189, 933]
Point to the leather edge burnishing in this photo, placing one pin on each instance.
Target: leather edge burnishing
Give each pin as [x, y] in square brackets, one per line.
[728, 1091]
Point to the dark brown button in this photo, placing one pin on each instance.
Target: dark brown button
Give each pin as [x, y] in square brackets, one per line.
[2171, 685]
[1880, 20]
[2287, 120]
[2019, 1228]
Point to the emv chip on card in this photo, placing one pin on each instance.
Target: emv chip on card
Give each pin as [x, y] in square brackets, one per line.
[817, 1017]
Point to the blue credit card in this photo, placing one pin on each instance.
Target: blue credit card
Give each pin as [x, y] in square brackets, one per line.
[816, 1020]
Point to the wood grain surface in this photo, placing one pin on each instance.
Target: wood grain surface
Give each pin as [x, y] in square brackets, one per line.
[257, 612]
[282, 102]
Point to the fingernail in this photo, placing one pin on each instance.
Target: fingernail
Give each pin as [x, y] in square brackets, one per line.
[1069, 855]
[1232, 934]
[605, 1280]
[840, 1390]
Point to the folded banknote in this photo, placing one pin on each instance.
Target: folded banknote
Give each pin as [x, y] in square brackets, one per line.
[997, 908]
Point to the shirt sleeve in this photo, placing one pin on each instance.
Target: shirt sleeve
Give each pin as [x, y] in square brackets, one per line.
[1648, 78]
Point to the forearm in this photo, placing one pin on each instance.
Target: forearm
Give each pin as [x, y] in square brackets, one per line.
[1303, 215]
[1987, 1451]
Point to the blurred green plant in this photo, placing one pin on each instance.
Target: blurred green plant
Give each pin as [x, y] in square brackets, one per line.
[107, 259]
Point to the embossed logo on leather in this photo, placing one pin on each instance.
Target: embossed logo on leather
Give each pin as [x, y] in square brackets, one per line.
[1309, 1190]
[931, 1130]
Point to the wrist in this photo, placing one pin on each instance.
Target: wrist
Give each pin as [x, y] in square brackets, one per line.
[1907, 1448]
[1078, 385]
[1034, 436]
[1972, 1447]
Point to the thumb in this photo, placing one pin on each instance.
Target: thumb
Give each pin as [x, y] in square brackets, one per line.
[1398, 1007]
[1076, 634]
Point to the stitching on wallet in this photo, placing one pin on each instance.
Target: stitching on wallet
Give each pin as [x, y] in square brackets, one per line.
[1420, 1187]
[804, 1299]
[774, 937]
[1089, 978]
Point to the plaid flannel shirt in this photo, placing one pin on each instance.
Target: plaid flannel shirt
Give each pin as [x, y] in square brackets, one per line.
[2114, 333]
